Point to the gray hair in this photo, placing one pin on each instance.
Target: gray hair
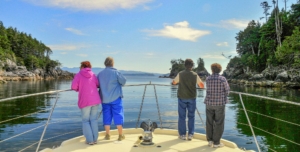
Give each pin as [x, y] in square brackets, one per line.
[109, 61]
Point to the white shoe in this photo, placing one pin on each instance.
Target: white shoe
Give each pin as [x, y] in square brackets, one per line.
[220, 145]
[183, 137]
[190, 137]
[210, 143]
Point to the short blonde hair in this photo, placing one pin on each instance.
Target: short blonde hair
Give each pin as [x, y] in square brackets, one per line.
[216, 68]
[109, 61]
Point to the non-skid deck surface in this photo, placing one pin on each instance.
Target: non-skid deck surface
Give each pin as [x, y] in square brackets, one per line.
[165, 140]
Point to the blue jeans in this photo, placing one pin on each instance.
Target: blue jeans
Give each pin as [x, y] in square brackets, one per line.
[190, 106]
[90, 123]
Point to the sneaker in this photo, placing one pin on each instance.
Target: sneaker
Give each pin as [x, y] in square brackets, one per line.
[91, 143]
[190, 137]
[210, 143]
[121, 137]
[107, 137]
[183, 137]
[220, 145]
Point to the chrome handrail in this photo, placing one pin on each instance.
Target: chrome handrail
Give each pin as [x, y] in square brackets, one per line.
[269, 98]
[46, 125]
[249, 122]
[33, 94]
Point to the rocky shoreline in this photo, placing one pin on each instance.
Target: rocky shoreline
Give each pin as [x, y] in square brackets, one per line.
[9, 71]
[279, 77]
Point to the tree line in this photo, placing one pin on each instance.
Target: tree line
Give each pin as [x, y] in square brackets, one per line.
[273, 43]
[25, 50]
[177, 65]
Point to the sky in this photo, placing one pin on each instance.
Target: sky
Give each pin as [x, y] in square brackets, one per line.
[141, 35]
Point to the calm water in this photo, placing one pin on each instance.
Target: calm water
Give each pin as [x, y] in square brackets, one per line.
[66, 117]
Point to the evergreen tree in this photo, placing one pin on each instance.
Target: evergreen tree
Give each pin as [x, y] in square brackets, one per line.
[24, 49]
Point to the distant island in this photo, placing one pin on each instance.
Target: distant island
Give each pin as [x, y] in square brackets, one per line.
[139, 74]
[96, 70]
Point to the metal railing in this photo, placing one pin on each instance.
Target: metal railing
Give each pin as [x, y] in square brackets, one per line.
[49, 117]
[141, 107]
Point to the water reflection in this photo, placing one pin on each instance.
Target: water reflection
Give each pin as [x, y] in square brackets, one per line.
[67, 109]
[270, 108]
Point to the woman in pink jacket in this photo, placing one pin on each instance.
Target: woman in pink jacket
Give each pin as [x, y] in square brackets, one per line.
[86, 83]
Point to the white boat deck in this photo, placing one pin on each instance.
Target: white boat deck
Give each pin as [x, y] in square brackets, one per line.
[165, 140]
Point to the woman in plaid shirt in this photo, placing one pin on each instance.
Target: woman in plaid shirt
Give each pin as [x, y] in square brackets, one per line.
[217, 90]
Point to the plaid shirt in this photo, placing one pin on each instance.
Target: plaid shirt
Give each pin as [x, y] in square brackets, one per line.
[217, 90]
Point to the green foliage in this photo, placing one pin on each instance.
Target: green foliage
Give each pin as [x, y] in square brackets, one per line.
[257, 44]
[200, 66]
[248, 40]
[31, 62]
[235, 61]
[177, 65]
[24, 49]
[6, 54]
[20, 61]
[289, 52]
[295, 14]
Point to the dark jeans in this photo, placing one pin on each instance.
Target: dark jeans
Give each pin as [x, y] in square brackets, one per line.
[215, 116]
[190, 106]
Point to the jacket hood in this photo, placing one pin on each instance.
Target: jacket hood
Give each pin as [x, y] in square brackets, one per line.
[86, 72]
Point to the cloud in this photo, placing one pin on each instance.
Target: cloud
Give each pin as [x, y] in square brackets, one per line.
[82, 55]
[213, 56]
[75, 31]
[67, 47]
[111, 53]
[239, 24]
[88, 5]
[151, 7]
[149, 54]
[222, 44]
[229, 24]
[179, 30]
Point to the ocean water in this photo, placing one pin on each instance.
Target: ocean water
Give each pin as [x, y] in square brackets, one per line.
[66, 120]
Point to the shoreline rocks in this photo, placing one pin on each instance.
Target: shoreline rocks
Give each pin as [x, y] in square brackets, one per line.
[278, 77]
[9, 71]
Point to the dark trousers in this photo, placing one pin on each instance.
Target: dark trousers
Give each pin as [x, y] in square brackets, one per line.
[215, 116]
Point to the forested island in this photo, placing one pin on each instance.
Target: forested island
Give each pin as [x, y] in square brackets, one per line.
[23, 57]
[269, 53]
[178, 65]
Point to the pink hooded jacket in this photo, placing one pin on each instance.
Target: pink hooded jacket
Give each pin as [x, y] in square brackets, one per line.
[86, 83]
